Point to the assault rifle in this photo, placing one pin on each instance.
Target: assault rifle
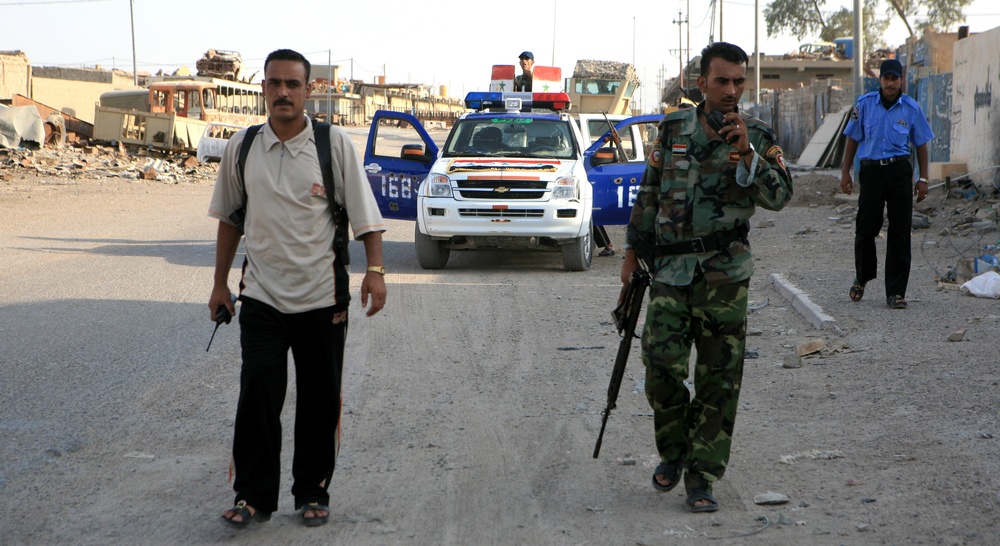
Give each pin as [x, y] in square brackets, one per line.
[616, 140]
[626, 316]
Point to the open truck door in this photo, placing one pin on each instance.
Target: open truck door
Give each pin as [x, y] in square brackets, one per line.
[398, 156]
[616, 173]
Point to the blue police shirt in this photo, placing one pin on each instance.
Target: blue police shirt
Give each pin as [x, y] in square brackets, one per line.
[882, 133]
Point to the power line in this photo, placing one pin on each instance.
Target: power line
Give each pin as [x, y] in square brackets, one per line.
[41, 2]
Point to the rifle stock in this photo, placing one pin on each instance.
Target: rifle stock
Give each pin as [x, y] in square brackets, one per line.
[626, 317]
[616, 140]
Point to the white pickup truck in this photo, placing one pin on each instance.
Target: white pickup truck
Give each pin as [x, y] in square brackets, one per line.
[516, 173]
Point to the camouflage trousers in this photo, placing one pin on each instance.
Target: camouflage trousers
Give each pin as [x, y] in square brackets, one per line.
[695, 432]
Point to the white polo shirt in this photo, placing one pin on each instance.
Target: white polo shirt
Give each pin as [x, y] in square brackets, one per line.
[288, 227]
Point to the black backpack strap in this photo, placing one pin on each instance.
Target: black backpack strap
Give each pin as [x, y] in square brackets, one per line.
[241, 163]
[321, 132]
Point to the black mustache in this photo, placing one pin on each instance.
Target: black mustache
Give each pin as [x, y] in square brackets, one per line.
[284, 102]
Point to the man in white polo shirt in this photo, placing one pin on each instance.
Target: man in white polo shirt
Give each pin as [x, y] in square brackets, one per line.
[294, 291]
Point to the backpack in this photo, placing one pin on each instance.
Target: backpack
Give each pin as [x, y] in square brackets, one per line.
[321, 133]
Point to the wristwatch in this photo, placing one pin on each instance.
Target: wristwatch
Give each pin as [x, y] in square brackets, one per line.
[921, 179]
[377, 269]
[748, 151]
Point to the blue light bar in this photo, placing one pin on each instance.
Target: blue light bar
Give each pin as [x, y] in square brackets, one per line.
[484, 100]
[481, 100]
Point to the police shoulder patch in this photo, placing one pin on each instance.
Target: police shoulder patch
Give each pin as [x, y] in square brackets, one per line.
[773, 151]
[855, 114]
[655, 157]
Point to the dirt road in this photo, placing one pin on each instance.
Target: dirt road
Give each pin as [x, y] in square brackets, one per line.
[472, 402]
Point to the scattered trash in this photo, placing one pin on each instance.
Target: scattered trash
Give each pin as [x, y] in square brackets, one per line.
[758, 306]
[986, 285]
[810, 347]
[814, 455]
[770, 498]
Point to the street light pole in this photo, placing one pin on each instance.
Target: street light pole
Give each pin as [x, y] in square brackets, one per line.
[859, 44]
[135, 71]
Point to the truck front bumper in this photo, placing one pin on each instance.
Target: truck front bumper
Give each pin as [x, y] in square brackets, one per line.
[558, 219]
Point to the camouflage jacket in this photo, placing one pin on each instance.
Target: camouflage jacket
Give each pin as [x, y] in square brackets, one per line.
[689, 190]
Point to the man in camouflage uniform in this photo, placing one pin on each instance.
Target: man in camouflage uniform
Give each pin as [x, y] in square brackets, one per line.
[690, 224]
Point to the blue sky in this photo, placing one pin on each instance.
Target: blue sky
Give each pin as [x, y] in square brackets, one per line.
[454, 43]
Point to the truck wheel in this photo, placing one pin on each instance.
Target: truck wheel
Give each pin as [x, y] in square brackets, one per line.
[431, 254]
[576, 256]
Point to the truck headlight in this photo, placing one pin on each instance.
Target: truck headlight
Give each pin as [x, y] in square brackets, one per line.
[439, 186]
[566, 188]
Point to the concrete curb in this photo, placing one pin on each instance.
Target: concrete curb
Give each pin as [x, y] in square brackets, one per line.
[801, 302]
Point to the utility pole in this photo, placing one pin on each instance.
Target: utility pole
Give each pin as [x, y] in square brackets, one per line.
[859, 47]
[555, 15]
[680, 49]
[687, 20]
[135, 70]
[720, 21]
[329, 87]
[756, 57]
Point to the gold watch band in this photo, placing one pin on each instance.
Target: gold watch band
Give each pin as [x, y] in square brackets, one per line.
[376, 269]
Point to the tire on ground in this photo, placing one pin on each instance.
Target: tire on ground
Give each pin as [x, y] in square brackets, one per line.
[431, 254]
[576, 256]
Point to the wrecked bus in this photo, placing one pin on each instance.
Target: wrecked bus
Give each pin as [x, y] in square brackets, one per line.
[172, 114]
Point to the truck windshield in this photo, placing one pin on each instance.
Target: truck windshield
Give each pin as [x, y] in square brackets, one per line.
[511, 137]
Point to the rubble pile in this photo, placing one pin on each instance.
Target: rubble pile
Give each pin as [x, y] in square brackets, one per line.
[92, 161]
[604, 70]
[956, 229]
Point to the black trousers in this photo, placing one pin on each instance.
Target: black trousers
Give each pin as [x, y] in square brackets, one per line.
[601, 238]
[317, 347]
[885, 188]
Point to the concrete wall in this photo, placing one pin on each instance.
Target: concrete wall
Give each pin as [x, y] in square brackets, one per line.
[975, 112]
[15, 74]
[76, 90]
[799, 112]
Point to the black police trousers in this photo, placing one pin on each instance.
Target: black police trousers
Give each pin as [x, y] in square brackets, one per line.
[886, 188]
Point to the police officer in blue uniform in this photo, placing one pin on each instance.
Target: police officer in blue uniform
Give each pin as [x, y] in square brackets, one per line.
[880, 131]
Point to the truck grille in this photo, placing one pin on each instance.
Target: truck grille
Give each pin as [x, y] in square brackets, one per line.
[500, 189]
[496, 213]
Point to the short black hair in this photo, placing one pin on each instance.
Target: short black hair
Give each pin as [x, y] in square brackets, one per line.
[730, 52]
[287, 55]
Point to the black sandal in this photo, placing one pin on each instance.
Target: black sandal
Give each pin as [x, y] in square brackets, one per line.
[671, 472]
[857, 291]
[699, 494]
[315, 521]
[896, 302]
[242, 509]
